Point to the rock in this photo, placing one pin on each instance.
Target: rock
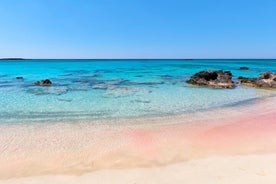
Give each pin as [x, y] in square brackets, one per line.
[244, 68]
[19, 77]
[45, 82]
[207, 75]
[247, 81]
[267, 75]
[215, 79]
[265, 80]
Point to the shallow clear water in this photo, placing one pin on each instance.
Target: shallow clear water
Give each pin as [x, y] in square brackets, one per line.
[96, 89]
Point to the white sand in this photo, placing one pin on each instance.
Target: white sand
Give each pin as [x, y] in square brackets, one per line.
[247, 169]
[56, 152]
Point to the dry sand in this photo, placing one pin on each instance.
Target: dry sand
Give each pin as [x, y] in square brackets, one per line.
[247, 169]
[229, 145]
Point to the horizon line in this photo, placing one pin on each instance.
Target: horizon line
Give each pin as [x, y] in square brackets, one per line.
[19, 58]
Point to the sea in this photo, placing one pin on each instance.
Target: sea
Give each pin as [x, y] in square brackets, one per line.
[92, 89]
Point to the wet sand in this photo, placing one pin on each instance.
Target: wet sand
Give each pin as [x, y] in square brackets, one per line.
[177, 148]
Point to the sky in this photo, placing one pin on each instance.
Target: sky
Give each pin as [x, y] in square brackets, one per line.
[138, 28]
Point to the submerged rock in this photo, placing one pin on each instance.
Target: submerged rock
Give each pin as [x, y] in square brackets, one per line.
[265, 80]
[244, 68]
[45, 82]
[19, 77]
[215, 79]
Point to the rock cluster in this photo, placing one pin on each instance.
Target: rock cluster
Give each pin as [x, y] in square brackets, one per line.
[45, 82]
[265, 80]
[215, 79]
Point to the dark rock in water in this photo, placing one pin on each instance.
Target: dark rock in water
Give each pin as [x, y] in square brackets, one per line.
[247, 81]
[265, 80]
[207, 75]
[267, 75]
[19, 77]
[45, 82]
[215, 79]
[3, 76]
[244, 68]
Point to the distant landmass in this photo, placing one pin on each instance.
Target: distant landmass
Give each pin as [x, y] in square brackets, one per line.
[12, 59]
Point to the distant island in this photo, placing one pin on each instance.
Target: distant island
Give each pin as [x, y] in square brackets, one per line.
[12, 59]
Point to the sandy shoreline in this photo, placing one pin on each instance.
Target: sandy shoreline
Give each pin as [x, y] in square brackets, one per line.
[221, 136]
[253, 169]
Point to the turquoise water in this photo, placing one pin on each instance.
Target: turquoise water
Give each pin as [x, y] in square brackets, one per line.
[97, 89]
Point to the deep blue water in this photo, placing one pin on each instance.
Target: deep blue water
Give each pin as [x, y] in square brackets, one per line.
[96, 89]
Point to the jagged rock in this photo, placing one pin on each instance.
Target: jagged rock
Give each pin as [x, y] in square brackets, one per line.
[247, 81]
[45, 82]
[265, 80]
[267, 75]
[244, 68]
[215, 79]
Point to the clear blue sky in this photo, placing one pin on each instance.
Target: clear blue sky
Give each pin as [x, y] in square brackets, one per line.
[138, 28]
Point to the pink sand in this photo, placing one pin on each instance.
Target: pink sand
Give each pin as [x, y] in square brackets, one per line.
[64, 148]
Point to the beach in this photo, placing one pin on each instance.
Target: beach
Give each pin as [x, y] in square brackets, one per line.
[137, 92]
[253, 169]
[229, 145]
